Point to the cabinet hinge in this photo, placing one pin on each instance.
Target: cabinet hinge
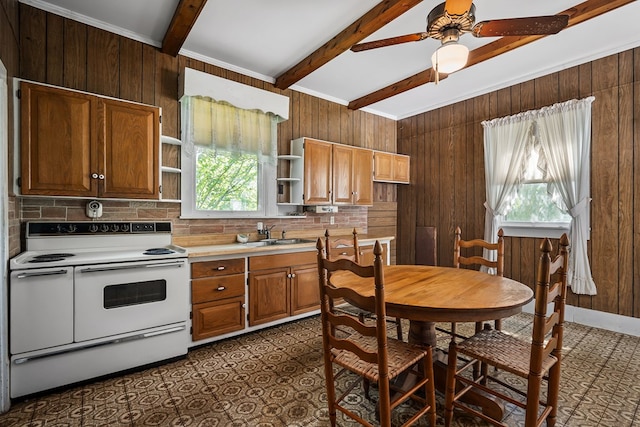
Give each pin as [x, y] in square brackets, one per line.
[19, 93]
[160, 119]
[191, 315]
[160, 189]
[19, 181]
[190, 331]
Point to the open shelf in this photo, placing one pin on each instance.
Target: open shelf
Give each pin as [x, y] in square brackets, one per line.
[170, 169]
[289, 157]
[170, 140]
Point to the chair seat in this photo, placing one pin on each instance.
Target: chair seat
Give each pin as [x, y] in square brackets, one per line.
[503, 351]
[401, 356]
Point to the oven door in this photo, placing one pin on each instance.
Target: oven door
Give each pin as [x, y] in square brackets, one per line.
[41, 308]
[112, 299]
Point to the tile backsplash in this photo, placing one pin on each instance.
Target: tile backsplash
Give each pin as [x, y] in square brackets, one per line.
[60, 209]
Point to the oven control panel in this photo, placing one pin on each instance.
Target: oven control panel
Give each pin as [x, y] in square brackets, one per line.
[94, 227]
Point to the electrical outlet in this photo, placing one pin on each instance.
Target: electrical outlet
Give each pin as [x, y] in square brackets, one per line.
[332, 220]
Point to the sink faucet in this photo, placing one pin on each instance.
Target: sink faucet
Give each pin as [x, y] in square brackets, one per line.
[266, 231]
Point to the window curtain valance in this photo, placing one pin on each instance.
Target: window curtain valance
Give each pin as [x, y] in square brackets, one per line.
[562, 135]
[222, 126]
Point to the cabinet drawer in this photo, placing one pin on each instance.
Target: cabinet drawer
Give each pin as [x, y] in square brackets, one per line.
[282, 260]
[217, 288]
[217, 268]
[218, 317]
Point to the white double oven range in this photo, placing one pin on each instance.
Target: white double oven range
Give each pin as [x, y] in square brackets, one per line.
[87, 299]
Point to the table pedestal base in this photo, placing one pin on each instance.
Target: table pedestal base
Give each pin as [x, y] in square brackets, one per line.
[425, 333]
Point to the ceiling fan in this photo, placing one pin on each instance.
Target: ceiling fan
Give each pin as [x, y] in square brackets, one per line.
[453, 18]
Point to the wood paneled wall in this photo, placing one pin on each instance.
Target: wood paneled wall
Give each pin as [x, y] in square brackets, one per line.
[448, 184]
[59, 51]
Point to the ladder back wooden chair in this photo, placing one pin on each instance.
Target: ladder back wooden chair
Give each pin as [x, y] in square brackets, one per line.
[478, 260]
[534, 361]
[341, 248]
[365, 350]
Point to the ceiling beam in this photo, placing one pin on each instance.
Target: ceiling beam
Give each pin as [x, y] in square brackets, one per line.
[381, 14]
[181, 24]
[577, 14]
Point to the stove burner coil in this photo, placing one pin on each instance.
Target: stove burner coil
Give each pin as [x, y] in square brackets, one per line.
[51, 257]
[158, 251]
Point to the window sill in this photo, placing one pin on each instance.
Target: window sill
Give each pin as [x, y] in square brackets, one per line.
[531, 229]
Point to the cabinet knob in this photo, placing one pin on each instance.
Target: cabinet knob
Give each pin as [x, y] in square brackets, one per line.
[101, 176]
[221, 288]
[94, 175]
[220, 268]
[293, 275]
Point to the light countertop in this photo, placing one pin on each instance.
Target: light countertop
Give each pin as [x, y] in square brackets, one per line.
[241, 249]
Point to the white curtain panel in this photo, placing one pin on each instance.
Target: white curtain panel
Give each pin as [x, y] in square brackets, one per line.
[563, 134]
[505, 152]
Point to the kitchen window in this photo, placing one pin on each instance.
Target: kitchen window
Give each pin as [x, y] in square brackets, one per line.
[229, 147]
[229, 160]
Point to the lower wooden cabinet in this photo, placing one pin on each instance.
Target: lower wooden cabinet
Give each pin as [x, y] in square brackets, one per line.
[367, 256]
[217, 297]
[282, 285]
[217, 317]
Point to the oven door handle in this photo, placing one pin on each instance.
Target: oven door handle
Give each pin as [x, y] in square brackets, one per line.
[178, 264]
[22, 360]
[41, 273]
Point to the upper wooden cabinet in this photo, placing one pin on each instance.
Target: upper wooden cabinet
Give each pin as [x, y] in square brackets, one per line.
[326, 173]
[83, 145]
[317, 178]
[352, 175]
[390, 167]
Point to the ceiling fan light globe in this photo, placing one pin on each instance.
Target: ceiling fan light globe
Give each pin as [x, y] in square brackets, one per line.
[450, 57]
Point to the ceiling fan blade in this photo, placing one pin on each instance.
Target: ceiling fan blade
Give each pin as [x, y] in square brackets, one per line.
[535, 25]
[457, 7]
[389, 42]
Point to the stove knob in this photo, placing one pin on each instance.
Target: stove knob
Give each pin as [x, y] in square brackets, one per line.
[72, 228]
[125, 227]
[114, 227]
[104, 228]
[93, 228]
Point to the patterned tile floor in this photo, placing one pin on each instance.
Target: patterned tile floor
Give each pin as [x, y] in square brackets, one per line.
[275, 378]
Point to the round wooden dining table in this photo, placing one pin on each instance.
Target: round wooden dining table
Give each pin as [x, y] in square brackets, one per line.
[426, 294]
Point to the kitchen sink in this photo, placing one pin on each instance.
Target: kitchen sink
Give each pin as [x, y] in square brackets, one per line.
[255, 244]
[292, 241]
[269, 242]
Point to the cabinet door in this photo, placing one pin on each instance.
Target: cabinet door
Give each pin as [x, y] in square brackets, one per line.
[317, 172]
[383, 166]
[218, 317]
[129, 157]
[401, 168]
[367, 256]
[305, 292]
[269, 298]
[362, 177]
[57, 141]
[342, 165]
